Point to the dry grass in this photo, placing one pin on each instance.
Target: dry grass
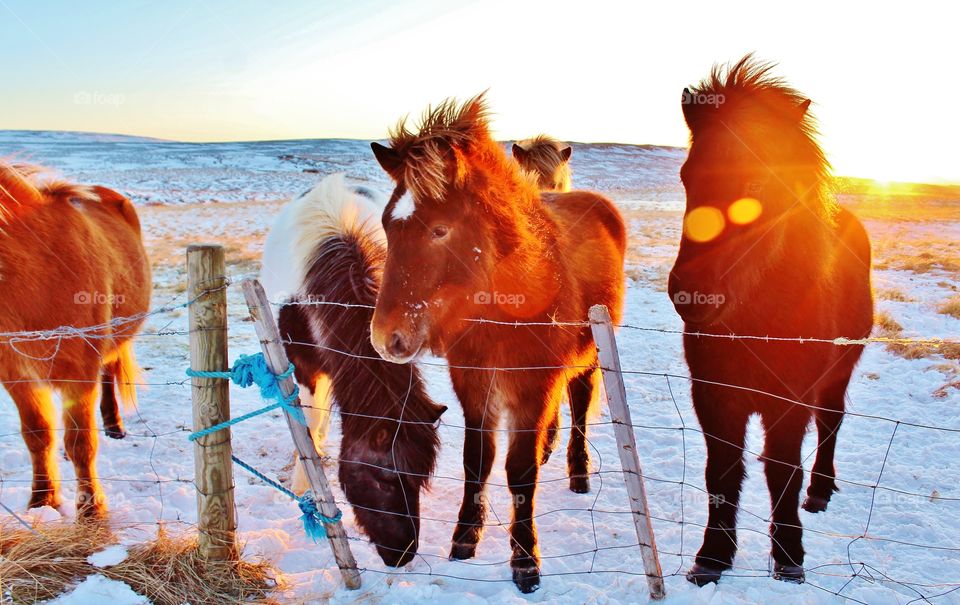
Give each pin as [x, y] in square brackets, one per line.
[893, 294]
[888, 327]
[38, 566]
[41, 565]
[950, 307]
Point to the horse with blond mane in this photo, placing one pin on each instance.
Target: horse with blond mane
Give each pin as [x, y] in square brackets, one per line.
[548, 159]
[71, 259]
[765, 251]
[488, 272]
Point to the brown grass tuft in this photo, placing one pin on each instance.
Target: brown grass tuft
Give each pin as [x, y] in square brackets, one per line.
[38, 566]
[950, 307]
[167, 570]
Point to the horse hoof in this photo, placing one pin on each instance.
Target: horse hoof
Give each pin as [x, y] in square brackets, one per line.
[115, 432]
[44, 499]
[91, 507]
[580, 484]
[701, 575]
[815, 504]
[527, 579]
[788, 573]
[460, 551]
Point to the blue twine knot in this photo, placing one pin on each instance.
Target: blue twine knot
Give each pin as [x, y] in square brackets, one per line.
[313, 519]
[249, 370]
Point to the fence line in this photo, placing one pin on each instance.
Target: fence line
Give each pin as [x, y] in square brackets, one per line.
[850, 570]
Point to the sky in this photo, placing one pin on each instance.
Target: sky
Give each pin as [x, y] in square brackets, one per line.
[882, 76]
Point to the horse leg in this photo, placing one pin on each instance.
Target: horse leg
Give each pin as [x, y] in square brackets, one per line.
[479, 450]
[316, 408]
[781, 457]
[109, 409]
[581, 391]
[522, 473]
[80, 440]
[724, 430]
[35, 405]
[823, 476]
[553, 436]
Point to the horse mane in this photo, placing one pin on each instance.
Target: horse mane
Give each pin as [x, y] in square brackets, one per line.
[23, 186]
[446, 132]
[749, 98]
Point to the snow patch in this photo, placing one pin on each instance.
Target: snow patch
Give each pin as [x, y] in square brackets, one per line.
[98, 589]
[111, 555]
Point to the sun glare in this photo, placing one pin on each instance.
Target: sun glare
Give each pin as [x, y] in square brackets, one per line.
[703, 224]
[744, 211]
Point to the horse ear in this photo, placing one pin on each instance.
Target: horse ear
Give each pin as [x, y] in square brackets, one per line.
[689, 109]
[434, 414]
[566, 152]
[519, 153]
[802, 109]
[388, 158]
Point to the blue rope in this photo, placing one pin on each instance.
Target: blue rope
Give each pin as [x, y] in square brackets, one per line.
[249, 370]
[312, 518]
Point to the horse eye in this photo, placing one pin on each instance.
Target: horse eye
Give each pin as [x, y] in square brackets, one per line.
[440, 231]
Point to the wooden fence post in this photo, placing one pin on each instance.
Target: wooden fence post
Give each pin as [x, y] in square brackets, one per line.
[603, 336]
[277, 360]
[216, 510]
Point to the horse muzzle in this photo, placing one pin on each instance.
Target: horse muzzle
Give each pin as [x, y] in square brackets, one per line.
[397, 344]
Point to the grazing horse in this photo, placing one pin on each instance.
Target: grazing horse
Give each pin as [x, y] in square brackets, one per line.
[71, 256]
[765, 251]
[548, 159]
[470, 238]
[322, 261]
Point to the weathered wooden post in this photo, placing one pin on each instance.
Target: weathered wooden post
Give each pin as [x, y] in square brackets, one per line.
[216, 510]
[603, 335]
[277, 360]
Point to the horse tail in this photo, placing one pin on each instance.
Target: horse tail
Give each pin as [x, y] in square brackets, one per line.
[17, 192]
[122, 365]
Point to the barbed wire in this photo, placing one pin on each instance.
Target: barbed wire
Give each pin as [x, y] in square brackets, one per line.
[850, 570]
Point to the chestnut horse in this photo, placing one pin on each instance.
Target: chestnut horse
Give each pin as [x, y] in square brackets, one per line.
[470, 237]
[71, 256]
[548, 159]
[322, 261]
[765, 251]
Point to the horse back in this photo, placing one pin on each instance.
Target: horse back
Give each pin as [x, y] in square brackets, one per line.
[72, 262]
[593, 242]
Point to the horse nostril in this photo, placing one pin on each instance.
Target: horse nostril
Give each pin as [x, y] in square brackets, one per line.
[397, 345]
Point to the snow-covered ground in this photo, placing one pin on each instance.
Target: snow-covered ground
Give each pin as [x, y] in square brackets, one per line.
[911, 547]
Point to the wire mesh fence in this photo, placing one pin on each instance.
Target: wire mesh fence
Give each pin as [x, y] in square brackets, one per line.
[897, 473]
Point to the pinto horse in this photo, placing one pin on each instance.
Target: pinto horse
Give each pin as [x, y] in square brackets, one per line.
[484, 270]
[765, 251]
[548, 159]
[71, 256]
[322, 262]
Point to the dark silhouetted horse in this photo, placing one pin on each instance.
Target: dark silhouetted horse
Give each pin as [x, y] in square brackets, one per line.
[765, 251]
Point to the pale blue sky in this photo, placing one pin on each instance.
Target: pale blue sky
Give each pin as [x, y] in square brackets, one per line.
[882, 75]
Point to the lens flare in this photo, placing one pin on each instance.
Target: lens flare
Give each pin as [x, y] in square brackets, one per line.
[744, 211]
[703, 224]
